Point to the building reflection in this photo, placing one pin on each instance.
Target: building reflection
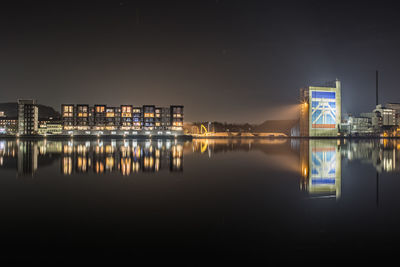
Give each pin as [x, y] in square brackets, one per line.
[100, 156]
[320, 168]
[125, 156]
[383, 154]
[319, 161]
[27, 157]
[8, 154]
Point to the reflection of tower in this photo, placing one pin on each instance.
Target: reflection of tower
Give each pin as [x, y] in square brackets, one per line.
[320, 163]
[27, 158]
[325, 168]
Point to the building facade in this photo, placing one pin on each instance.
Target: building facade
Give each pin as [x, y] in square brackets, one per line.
[28, 117]
[382, 121]
[396, 108]
[50, 128]
[320, 113]
[8, 125]
[383, 117]
[122, 120]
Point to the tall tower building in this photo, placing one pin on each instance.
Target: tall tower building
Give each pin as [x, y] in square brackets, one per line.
[28, 117]
[320, 113]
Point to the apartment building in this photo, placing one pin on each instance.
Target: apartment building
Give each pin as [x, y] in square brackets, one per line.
[121, 120]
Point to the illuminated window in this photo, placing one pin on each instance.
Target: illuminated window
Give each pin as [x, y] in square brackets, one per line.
[100, 109]
[126, 109]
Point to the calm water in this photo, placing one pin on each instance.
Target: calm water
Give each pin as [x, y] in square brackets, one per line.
[119, 200]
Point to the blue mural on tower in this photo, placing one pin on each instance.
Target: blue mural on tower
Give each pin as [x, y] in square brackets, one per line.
[323, 109]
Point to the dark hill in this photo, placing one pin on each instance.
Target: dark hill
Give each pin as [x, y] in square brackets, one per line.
[11, 110]
[282, 126]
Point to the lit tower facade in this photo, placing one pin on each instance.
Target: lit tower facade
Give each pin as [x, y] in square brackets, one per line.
[320, 113]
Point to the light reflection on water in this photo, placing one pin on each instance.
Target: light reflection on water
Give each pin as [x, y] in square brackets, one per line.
[287, 191]
[318, 162]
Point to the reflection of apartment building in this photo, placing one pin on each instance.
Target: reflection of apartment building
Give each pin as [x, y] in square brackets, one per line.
[122, 120]
[121, 156]
[27, 158]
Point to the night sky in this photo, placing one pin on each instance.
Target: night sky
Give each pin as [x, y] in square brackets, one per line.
[235, 61]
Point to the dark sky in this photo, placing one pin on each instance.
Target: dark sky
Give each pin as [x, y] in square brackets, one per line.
[224, 60]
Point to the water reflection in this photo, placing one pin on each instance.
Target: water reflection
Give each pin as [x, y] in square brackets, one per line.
[318, 162]
[320, 167]
[101, 156]
[384, 155]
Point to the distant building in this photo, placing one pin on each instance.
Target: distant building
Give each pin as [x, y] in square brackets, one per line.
[320, 113]
[383, 120]
[383, 117]
[361, 125]
[50, 128]
[8, 125]
[396, 108]
[28, 117]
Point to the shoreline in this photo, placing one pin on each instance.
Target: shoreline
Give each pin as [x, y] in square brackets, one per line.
[184, 137]
[95, 137]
